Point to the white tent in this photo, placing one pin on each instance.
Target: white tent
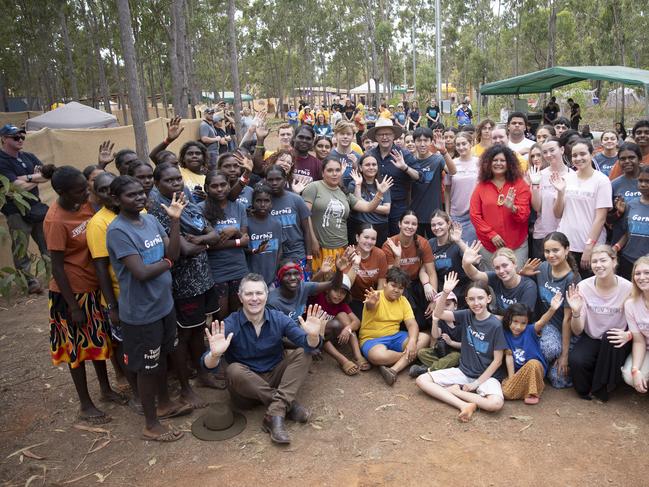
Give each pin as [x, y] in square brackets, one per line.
[631, 98]
[362, 89]
[72, 116]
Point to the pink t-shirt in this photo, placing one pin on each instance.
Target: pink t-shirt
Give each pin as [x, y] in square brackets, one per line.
[462, 183]
[546, 222]
[582, 198]
[603, 312]
[637, 316]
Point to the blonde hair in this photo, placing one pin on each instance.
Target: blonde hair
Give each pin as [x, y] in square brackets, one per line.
[344, 126]
[466, 136]
[604, 249]
[507, 253]
[636, 293]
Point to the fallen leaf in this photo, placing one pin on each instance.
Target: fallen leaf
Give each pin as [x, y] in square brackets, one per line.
[340, 415]
[425, 438]
[17, 452]
[29, 454]
[316, 426]
[384, 406]
[402, 396]
[99, 447]
[59, 430]
[525, 427]
[152, 462]
[101, 478]
[214, 467]
[522, 418]
[558, 413]
[390, 440]
[90, 428]
[340, 390]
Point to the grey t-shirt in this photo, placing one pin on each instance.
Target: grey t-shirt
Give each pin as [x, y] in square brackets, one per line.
[636, 222]
[264, 263]
[140, 302]
[479, 340]
[548, 286]
[296, 306]
[290, 210]
[207, 130]
[368, 194]
[627, 188]
[524, 293]
[228, 264]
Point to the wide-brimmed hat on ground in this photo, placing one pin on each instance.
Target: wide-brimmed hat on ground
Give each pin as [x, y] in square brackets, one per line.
[218, 423]
[382, 123]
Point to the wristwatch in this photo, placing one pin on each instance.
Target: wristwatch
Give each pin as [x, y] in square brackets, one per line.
[30, 177]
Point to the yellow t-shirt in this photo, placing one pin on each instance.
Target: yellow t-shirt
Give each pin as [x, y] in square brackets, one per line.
[356, 148]
[385, 114]
[384, 320]
[477, 150]
[96, 238]
[191, 179]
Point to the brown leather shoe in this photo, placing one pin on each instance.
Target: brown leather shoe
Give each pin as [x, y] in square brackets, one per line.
[298, 413]
[277, 429]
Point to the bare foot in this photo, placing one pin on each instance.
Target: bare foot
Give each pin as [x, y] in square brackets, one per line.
[193, 399]
[466, 412]
[211, 381]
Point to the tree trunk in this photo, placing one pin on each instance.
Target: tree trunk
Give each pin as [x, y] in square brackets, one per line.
[130, 63]
[234, 68]
[177, 58]
[91, 25]
[552, 35]
[375, 67]
[69, 62]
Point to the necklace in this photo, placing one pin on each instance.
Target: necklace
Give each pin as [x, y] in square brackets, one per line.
[501, 197]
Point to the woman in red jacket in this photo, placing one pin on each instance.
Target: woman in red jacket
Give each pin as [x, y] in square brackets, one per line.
[500, 205]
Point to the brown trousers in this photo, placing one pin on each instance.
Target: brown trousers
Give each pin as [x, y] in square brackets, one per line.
[528, 381]
[275, 389]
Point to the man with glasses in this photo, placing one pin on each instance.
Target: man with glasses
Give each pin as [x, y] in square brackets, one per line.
[396, 163]
[23, 169]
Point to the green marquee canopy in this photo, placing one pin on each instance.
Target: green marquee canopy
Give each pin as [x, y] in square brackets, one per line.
[547, 79]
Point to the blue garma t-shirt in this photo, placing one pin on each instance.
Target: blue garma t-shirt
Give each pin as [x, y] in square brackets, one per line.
[548, 286]
[626, 188]
[525, 347]
[427, 192]
[525, 293]
[228, 264]
[290, 210]
[140, 302]
[605, 163]
[264, 263]
[636, 222]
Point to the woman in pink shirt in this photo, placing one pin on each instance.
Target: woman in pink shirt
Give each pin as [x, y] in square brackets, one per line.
[500, 205]
[597, 305]
[460, 186]
[636, 309]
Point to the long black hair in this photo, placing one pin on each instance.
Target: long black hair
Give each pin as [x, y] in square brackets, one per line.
[212, 210]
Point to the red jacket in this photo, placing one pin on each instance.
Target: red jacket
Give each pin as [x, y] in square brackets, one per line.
[490, 220]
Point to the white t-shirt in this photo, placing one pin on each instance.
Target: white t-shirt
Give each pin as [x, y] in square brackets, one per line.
[546, 222]
[603, 312]
[582, 198]
[522, 147]
[462, 183]
[637, 317]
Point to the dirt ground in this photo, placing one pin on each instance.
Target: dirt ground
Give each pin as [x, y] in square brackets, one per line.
[362, 434]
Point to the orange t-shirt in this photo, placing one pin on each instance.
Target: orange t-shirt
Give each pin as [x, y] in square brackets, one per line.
[616, 170]
[410, 261]
[65, 231]
[370, 270]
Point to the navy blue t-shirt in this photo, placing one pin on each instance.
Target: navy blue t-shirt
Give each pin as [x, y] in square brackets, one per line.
[525, 347]
[636, 222]
[524, 293]
[264, 263]
[427, 192]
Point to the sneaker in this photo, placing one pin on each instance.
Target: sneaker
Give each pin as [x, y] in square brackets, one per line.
[417, 370]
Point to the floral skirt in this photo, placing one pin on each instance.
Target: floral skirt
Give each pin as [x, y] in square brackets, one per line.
[75, 344]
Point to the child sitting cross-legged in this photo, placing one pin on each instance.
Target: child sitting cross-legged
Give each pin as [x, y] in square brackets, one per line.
[473, 384]
[444, 353]
[526, 365]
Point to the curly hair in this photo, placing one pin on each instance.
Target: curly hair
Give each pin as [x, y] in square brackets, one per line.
[513, 171]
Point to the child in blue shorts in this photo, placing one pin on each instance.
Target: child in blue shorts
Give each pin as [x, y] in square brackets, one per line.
[381, 341]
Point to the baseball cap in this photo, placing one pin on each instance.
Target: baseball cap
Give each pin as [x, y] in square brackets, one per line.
[219, 116]
[208, 110]
[450, 296]
[10, 129]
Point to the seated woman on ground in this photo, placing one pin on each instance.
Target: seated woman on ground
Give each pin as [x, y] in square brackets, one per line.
[381, 341]
[509, 287]
[526, 365]
[475, 382]
[444, 352]
[636, 368]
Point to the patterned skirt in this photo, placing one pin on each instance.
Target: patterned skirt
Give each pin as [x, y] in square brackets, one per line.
[74, 344]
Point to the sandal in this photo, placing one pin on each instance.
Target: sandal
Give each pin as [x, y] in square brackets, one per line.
[96, 420]
[116, 397]
[166, 437]
[531, 400]
[363, 365]
[389, 375]
[179, 410]
[349, 368]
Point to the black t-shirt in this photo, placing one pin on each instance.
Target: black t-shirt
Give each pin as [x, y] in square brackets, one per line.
[551, 111]
[448, 257]
[11, 168]
[574, 109]
[349, 114]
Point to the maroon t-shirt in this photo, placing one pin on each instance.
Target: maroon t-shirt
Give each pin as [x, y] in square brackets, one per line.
[331, 308]
[308, 166]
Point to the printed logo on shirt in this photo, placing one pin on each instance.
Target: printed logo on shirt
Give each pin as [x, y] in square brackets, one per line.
[152, 355]
[639, 226]
[152, 243]
[507, 302]
[285, 216]
[605, 310]
[334, 214]
[304, 172]
[631, 195]
[273, 244]
[442, 262]
[367, 273]
[476, 340]
[409, 261]
[519, 356]
[580, 194]
[80, 229]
